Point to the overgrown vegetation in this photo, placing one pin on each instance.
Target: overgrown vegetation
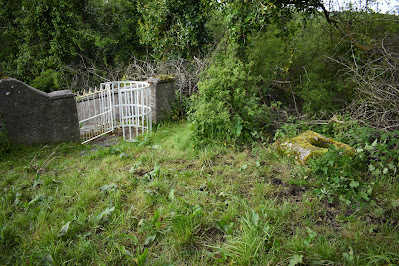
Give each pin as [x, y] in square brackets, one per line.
[296, 53]
[209, 189]
[163, 200]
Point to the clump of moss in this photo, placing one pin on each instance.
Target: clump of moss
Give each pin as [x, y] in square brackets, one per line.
[165, 78]
[311, 144]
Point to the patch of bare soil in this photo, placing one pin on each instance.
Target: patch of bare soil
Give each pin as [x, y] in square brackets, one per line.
[213, 235]
[329, 216]
[108, 140]
[141, 172]
[287, 191]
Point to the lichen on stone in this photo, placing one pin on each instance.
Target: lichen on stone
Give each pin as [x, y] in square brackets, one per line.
[311, 144]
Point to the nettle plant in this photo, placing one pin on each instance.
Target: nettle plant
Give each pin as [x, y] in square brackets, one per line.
[378, 151]
[338, 178]
[382, 156]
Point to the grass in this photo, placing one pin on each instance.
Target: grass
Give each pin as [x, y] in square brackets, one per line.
[163, 201]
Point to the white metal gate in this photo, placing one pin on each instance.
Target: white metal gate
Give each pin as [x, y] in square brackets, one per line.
[124, 104]
[95, 113]
[134, 109]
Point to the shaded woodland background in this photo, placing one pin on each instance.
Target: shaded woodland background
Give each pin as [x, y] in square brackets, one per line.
[251, 64]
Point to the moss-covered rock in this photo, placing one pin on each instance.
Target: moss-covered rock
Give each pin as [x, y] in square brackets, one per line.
[311, 144]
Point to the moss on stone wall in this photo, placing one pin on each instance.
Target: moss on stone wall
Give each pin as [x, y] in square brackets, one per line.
[165, 78]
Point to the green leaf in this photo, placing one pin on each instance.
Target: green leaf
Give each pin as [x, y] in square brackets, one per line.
[374, 143]
[171, 195]
[255, 218]
[368, 148]
[371, 167]
[127, 252]
[311, 236]
[365, 196]
[317, 191]
[395, 203]
[296, 259]
[385, 171]
[149, 239]
[237, 128]
[354, 184]
[108, 188]
[134, 240]
[123, 155]
[64, 229]
[37, 198]
[141, 257]
[105, 213]
[196, 212]
[344, 200]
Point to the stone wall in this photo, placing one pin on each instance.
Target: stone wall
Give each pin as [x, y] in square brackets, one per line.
[32, 116]
[162, 97]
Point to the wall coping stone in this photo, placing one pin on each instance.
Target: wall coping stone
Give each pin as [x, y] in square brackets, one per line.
[62, 94]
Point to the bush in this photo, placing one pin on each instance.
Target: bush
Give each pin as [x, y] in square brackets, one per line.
[48, 81]
[227, 105]
[320, 94]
